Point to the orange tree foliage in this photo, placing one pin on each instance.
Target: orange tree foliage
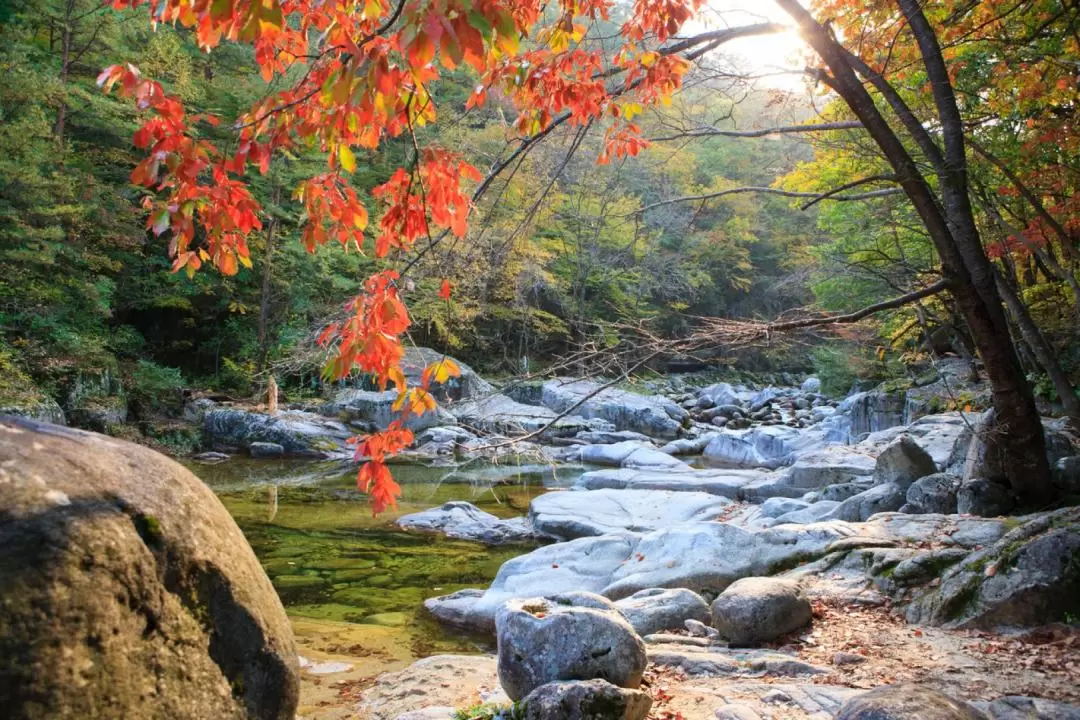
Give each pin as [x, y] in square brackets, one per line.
[355, 73]
[1014, 64]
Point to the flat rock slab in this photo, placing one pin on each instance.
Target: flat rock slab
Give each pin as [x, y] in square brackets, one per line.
[584, 513]
[722, 662]
[726, 483]
[465, 521]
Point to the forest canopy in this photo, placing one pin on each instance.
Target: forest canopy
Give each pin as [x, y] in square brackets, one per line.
[527, 179]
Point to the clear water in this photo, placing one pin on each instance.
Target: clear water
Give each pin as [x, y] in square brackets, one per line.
[330, 559]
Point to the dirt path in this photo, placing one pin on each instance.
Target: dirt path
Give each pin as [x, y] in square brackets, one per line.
[856, 648]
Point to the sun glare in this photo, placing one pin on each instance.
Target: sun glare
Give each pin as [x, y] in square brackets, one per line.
[777, 59]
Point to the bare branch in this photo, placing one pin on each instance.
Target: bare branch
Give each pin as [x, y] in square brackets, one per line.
[817, 197]
[830, 195]
[764, 132]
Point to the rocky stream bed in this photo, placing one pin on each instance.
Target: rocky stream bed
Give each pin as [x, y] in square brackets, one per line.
[671, 551]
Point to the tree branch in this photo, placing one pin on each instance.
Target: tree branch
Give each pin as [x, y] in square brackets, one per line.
[764, 132]
[892, 304]
[817, 197]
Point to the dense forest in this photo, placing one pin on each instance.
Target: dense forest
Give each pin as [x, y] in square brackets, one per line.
[561, 250]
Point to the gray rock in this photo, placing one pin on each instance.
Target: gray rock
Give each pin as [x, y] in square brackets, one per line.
[755, 610]
[652, 415]
[301, 434]
[880, 498]
[688, 446]
[583, 513]
[728, 662]
[498, 414]
[761, 447]
[375, 408]
[811, 385]
[814, 512]
[829, 466]
[872, 412]
[37, 407]
[128, 589]
[596, 437]
[698, 629]
[777, 506]
[631, 454]
[841, 491]
[650, 611]
[903, 462]
[927, 566]
[443, 435]
[933, 494]
[266, 450]
[542, 640]
[907, 702]
[98, 412]
[1028, 577]
[703, 557]
[457, 608]
[720, 394]
[983, 498]
[1028, 708]
[735, 484]
[736, 712]
[465, 521]
[585, 700]
[463, 387]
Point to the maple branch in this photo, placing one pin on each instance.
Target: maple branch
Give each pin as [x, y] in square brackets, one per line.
[764, 132]
[773, 191]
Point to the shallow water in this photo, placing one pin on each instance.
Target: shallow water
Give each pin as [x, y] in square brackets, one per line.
[330, 559]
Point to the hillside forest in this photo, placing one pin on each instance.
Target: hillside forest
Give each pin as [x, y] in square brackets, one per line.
[740, 199]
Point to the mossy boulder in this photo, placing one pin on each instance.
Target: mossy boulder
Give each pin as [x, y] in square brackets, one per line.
[126, 589]
[1030, 576]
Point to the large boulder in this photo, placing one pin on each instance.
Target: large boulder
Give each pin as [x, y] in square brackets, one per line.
[755, 610]
[584, 700]
[576, 637]
[376, 409]
[656, 609]
[581, 513]
[1030, 576]
[880, 498]
[652, 415]
[629, 453]
[300, 434]
[907, 702]
[128, 590]
[984, 498]
[464, 521]
[933, 494]
[466, 385]
[769, 446]
[903, 462]
[501, 415]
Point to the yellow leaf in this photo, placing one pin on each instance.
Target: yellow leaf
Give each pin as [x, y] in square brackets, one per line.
[346, 158]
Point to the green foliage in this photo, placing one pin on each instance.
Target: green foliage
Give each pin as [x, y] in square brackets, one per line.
[154, 388]
[490, 711]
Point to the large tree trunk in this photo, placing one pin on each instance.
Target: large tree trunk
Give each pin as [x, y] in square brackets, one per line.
[951, 225]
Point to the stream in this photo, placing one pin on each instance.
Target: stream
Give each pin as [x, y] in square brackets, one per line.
[341, 571]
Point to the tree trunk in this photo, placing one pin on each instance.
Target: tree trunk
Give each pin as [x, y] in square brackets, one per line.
[951, 225]
[66, 40]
